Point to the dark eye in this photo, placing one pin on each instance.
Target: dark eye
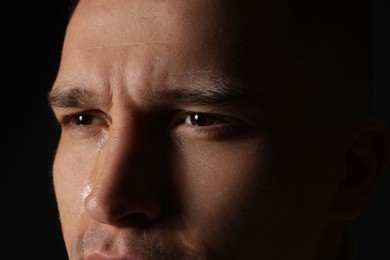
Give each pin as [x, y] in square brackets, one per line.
[202, 119]
[84, 124]
[84, 119]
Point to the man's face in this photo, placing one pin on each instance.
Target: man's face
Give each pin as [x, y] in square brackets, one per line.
[171, 149]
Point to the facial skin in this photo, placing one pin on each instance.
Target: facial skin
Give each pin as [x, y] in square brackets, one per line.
[171, 149]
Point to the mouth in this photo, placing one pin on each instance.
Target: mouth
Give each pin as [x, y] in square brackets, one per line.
[106, 243]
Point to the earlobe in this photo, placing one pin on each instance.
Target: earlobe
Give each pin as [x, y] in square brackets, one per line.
[366, 160]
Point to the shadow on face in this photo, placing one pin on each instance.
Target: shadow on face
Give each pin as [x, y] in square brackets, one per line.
[196, 129]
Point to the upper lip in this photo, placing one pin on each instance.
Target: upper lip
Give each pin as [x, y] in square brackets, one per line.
[107, 256]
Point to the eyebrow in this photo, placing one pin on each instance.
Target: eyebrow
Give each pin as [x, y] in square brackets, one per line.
[214, 94]
[72, 98]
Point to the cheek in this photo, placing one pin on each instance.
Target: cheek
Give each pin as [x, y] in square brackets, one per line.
[216, 170]
[242, 194]
[71, 170]
[219, 182]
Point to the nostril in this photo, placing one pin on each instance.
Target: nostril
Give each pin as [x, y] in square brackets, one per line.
[134, 219]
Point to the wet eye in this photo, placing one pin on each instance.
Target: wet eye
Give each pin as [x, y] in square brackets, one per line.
[86, 119]
[84, 124]
[202, 119]
[93, 119]
[207, 126]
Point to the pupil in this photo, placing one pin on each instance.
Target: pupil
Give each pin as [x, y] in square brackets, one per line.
[84, 119]
[199, 119]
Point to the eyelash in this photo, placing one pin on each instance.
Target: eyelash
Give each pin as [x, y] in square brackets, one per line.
[73, 123]
[206, 119]
[210, 125]
[73, 118]
[197, 124]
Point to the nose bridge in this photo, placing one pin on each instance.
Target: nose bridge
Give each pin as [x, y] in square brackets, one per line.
[123, 186]
[119, 150]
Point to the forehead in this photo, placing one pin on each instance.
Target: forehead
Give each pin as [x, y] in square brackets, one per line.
[128, 33]
[187, 39]
[230, 33]
[140, 46]
[179, 21]
[147, 21]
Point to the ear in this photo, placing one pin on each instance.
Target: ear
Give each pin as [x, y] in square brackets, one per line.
[366, 159]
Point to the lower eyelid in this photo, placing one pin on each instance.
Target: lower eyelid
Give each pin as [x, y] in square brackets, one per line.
[83, 132]
[213, 132]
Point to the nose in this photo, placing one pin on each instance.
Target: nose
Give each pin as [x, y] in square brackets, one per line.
[125, 180]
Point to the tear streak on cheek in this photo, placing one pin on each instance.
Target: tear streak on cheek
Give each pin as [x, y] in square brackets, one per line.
[86, 191]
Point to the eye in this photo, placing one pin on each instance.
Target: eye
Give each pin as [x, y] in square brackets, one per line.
[84, 124]
[207, 126]
[202, 119]
[85, 119]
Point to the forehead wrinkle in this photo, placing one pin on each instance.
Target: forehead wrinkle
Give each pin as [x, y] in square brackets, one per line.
[124, 45]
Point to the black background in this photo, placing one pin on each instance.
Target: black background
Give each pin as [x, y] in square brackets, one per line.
[32, 34]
